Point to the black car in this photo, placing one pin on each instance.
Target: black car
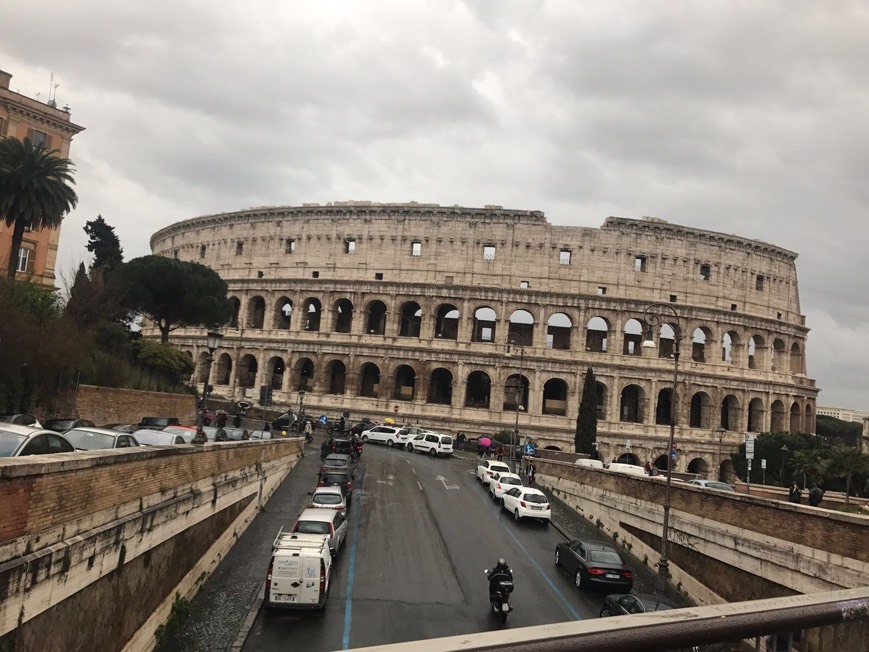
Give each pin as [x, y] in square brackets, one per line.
[67, 423]
[158, 423]
[594, 564]
[341, 445]
[337, 478]
[622, 604]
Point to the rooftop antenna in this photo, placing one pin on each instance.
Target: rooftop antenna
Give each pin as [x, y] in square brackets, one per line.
[52, 92]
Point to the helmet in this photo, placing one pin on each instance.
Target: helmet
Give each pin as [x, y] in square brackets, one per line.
[501, 561]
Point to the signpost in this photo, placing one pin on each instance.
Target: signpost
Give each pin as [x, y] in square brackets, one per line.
[749, 456]
[763, 472]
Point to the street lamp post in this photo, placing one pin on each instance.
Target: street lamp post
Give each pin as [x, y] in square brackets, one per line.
[654, 315]
[784, 453]
[212, 341]
[519, 396]
[721, 431]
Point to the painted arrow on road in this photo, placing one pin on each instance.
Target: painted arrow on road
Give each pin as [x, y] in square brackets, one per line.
[444, 481]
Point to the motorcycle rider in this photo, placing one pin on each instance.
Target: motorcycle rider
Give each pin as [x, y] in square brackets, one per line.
[500, 573]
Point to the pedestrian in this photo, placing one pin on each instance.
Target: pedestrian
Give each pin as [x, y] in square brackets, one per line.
[795, 493]
[221, 419]
[816, 495]
[309, 431]
[460, 441]
[236, 421]
[648, 467]
[531, 470]
[500, 453]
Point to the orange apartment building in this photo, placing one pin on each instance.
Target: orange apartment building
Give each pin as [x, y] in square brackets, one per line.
[22, 117]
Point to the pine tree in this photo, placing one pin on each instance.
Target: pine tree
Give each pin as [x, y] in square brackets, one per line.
[586, 421]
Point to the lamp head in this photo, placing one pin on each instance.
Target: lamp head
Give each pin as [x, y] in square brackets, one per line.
[649, 342]
[213, 337]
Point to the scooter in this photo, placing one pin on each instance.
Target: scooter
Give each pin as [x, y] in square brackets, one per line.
[499, 596]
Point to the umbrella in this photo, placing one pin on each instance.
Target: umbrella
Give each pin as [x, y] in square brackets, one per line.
[389, 420]
[485, 442]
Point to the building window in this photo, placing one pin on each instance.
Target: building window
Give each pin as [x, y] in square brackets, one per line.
[260, 274]
[778, 315]
[564, 257]
[23, 260]
[489, 252]
[758, 282]
[733, 306]
[315, 274]
[378, 276]
[289, 246]
[640, 264]
[202, 250]
[28, 227]
[239, 248]
[672, 298]
[175, 254]
[416, 248]
[349, 246]
[705, 272]
[523, 285]
[448, 279]
[39, 138]
[601, 290]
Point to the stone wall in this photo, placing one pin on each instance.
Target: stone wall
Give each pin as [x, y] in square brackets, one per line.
[722, 547]
[97, 544]
[117, 405]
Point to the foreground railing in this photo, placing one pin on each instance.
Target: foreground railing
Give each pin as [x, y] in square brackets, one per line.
[837, 621]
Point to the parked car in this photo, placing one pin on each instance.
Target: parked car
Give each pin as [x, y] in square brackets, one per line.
[328, 498]
[487, 468]
[623, 604]
[313, 520]
[628, 469]
[339, 462]
[188, 432]
[594, 564]
[129, 428]
[151, 437]
[527, 502]
[336, 478]
[341, 445]
[299, 574]
[501, 482]
[20, 419]
[389, 435]
[17, 441]
[91, 439]
[158, 423]
[711, 484]
[433, 443]
[261, 434]
[589, 463]
[67, 423]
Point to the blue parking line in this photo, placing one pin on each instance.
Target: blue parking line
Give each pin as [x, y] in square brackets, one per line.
[348, 603]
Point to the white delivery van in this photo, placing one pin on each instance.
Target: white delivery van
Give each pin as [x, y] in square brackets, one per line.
[588, 463]
[299, 574]
[629, 469]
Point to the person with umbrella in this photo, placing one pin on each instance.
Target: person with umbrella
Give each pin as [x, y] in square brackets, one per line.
[485, 443]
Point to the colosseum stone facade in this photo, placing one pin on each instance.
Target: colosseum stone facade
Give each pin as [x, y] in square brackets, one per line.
[477, 319]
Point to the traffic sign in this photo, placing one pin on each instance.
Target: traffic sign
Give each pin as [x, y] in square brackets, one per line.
[529, 449]
[395, 409]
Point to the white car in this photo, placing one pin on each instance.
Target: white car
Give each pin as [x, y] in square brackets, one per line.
[316, 520]
[389, 435]
[527, 502]
[500, 482]
[329, 498]
[433, 443]
[487, 468]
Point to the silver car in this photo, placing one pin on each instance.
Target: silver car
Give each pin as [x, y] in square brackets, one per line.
[91, 439]
[18, 441]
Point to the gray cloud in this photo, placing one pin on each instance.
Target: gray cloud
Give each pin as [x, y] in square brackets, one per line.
[740, 117]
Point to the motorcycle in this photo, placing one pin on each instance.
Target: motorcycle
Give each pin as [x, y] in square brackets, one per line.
[500, 588]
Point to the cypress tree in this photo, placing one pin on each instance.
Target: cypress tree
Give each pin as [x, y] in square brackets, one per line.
[586, 421]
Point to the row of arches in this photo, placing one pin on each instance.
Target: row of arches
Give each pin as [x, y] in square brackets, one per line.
[752, 350]
[403, 382]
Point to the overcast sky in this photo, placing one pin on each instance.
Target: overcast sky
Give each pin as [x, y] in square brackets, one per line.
[743, 117]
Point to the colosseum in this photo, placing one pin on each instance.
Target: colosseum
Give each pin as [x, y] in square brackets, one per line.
[483, 319]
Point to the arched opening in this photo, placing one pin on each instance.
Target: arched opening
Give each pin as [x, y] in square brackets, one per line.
[661, 463]
[447, 322]
[283, 313]
[796, 418]
[633, 337]
[778, 355]
[202, 367]
[343, 316]
[730, 413]
[410, 319]
[596, 334]
[313, 313]
[664, 407]
[304, 374]
[369, 380]
[478, 390]
[405, 383]
[558, 329]
[256, 312]
[276, 368]
[701, 411]
[376, 322]
[725, 471]
[600, 391]
[728, 346]
[555, 397]
[629, 458]
[699, 338]
[666, 341]
[699, 466]
[484, 325]
[440, 387]
[755, 415]
[630, 408]
[777, 417]
[521, 328]
[809, 423]
[236, 308]
[224, 369]
[247, 368]
[796, 359]
[756, 358]
[337, 377]
[516, 393]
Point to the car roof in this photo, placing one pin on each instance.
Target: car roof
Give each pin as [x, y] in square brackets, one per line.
[316, 514]
[18, 429]
[329, 490]
[596, 545]
[532, 490]
[504, 474]
[100, 431]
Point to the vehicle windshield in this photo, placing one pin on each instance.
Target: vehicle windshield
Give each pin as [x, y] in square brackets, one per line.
[721, 486]
[509, 480]
[500, 468]
[154, 437]
[605, 557]
[535, 498]
[9, 441]
[327, 499]
[312, 527]
[90, 441]
[447, 441]
[59, 424]
[336, 460]
[335, 477]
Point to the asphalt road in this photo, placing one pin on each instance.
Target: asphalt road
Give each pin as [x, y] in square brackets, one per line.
[422, 532]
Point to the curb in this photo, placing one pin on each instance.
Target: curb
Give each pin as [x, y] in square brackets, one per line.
[249, 619]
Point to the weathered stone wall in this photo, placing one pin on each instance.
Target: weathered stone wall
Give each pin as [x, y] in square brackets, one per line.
[722, 547]
[110, 537]
[116, 405]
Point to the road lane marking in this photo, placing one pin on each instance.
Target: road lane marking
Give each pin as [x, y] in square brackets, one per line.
[419, 485]
[444, 483]
[351, 574]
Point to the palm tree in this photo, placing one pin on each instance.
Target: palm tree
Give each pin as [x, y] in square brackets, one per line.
[35, 190]
[845, 462]
[809, 462]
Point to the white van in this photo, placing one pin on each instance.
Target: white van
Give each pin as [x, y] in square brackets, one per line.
[630, 469]
[588, 463]
[433, 443]
[299, 574]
